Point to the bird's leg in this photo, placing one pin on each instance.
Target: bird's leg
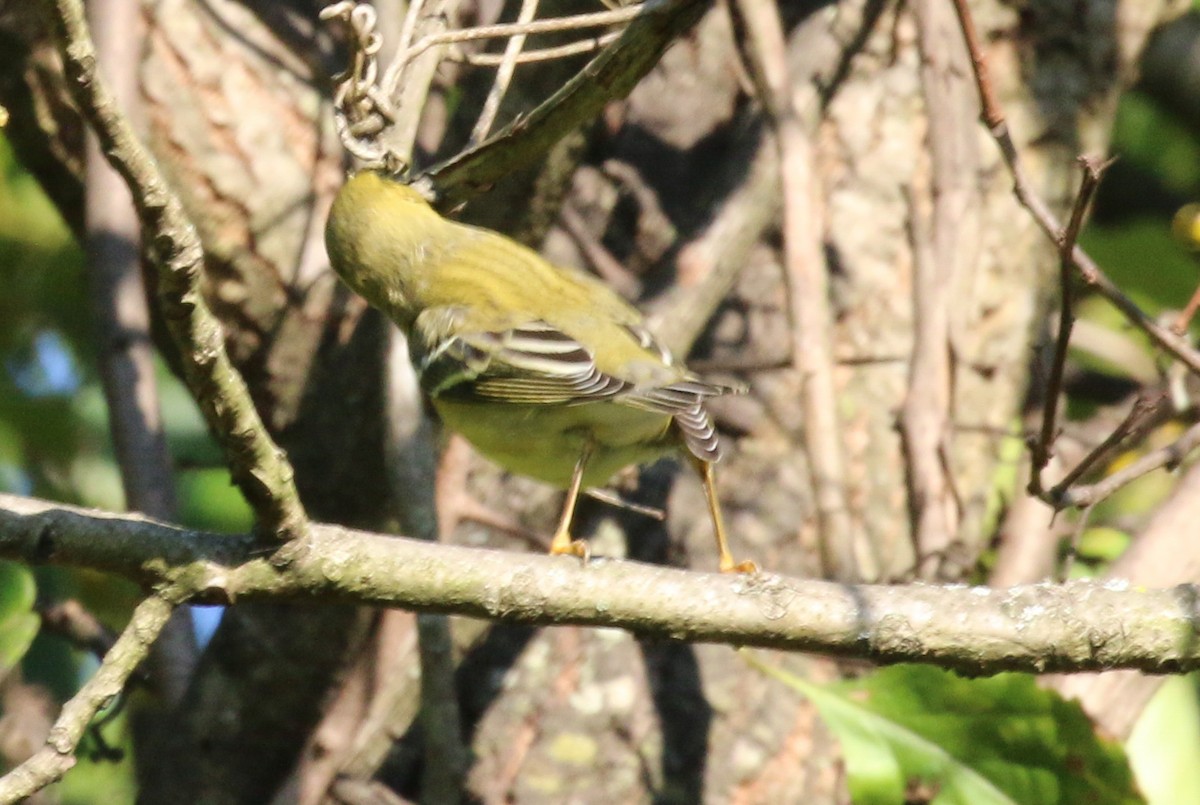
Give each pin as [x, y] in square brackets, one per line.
[562, 542]
[708, 476]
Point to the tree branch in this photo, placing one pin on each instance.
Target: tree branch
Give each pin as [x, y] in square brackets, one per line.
[1072, 627]
[54, 759]
[612, 74]
[491, 105]
[1043, 447]
[257, 464]
[997, 126]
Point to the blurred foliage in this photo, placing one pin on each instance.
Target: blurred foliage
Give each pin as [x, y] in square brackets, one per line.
[1131, 238]
[1146, 262]
[1165, 744]
[18, 622]
[911, 733]
[1100, 545]
[1152, 138]
[54, 443]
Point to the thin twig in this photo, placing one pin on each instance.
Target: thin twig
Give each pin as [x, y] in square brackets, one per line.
[944, 222]
[600, 258]
[456, 504]
[377, 122]
[655, 234]
[1161, 554]
[1184, 228]
[710, 263]
[354, 791]
[58, 755]
[1184, 320]
[396, 73]
[411, 17]
[362, 111]
[808, 294]
[72, 621]
[1041, 449]
[993, 118]
[408, 32]
[541, 54]
[1169, 456]
[491, 105]
[471, 510]
[593, 20]
[1146, 409]
[410, 97]
[256, 463]
[610, 75]
[380, 674]
[925, 412]
[1072, 551]
[611, 498]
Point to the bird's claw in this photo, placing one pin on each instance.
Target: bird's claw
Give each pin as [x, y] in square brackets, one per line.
[563, 545]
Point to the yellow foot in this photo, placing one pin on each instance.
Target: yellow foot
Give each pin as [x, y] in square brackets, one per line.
[562, 544]
[729, 566]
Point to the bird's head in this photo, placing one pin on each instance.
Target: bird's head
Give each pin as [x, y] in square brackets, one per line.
[379, 233]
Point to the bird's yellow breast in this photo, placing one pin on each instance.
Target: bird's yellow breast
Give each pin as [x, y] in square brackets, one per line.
[545, 442]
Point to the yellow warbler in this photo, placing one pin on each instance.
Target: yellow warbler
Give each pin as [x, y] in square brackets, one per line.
[544, 370]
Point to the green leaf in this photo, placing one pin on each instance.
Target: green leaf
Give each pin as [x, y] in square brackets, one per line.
[18, 591]
[209, 500]
[970, 741]
[1149, 135]
[18, 624]
[1103, 543]
[1165, 743]
[1145, 262]
[16, 635]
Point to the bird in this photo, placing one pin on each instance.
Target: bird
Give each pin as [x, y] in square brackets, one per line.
[544, 369]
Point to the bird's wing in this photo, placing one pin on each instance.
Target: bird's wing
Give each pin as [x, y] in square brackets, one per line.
[532, 363]
[536, 364]
[685, 402]
[683, 399]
